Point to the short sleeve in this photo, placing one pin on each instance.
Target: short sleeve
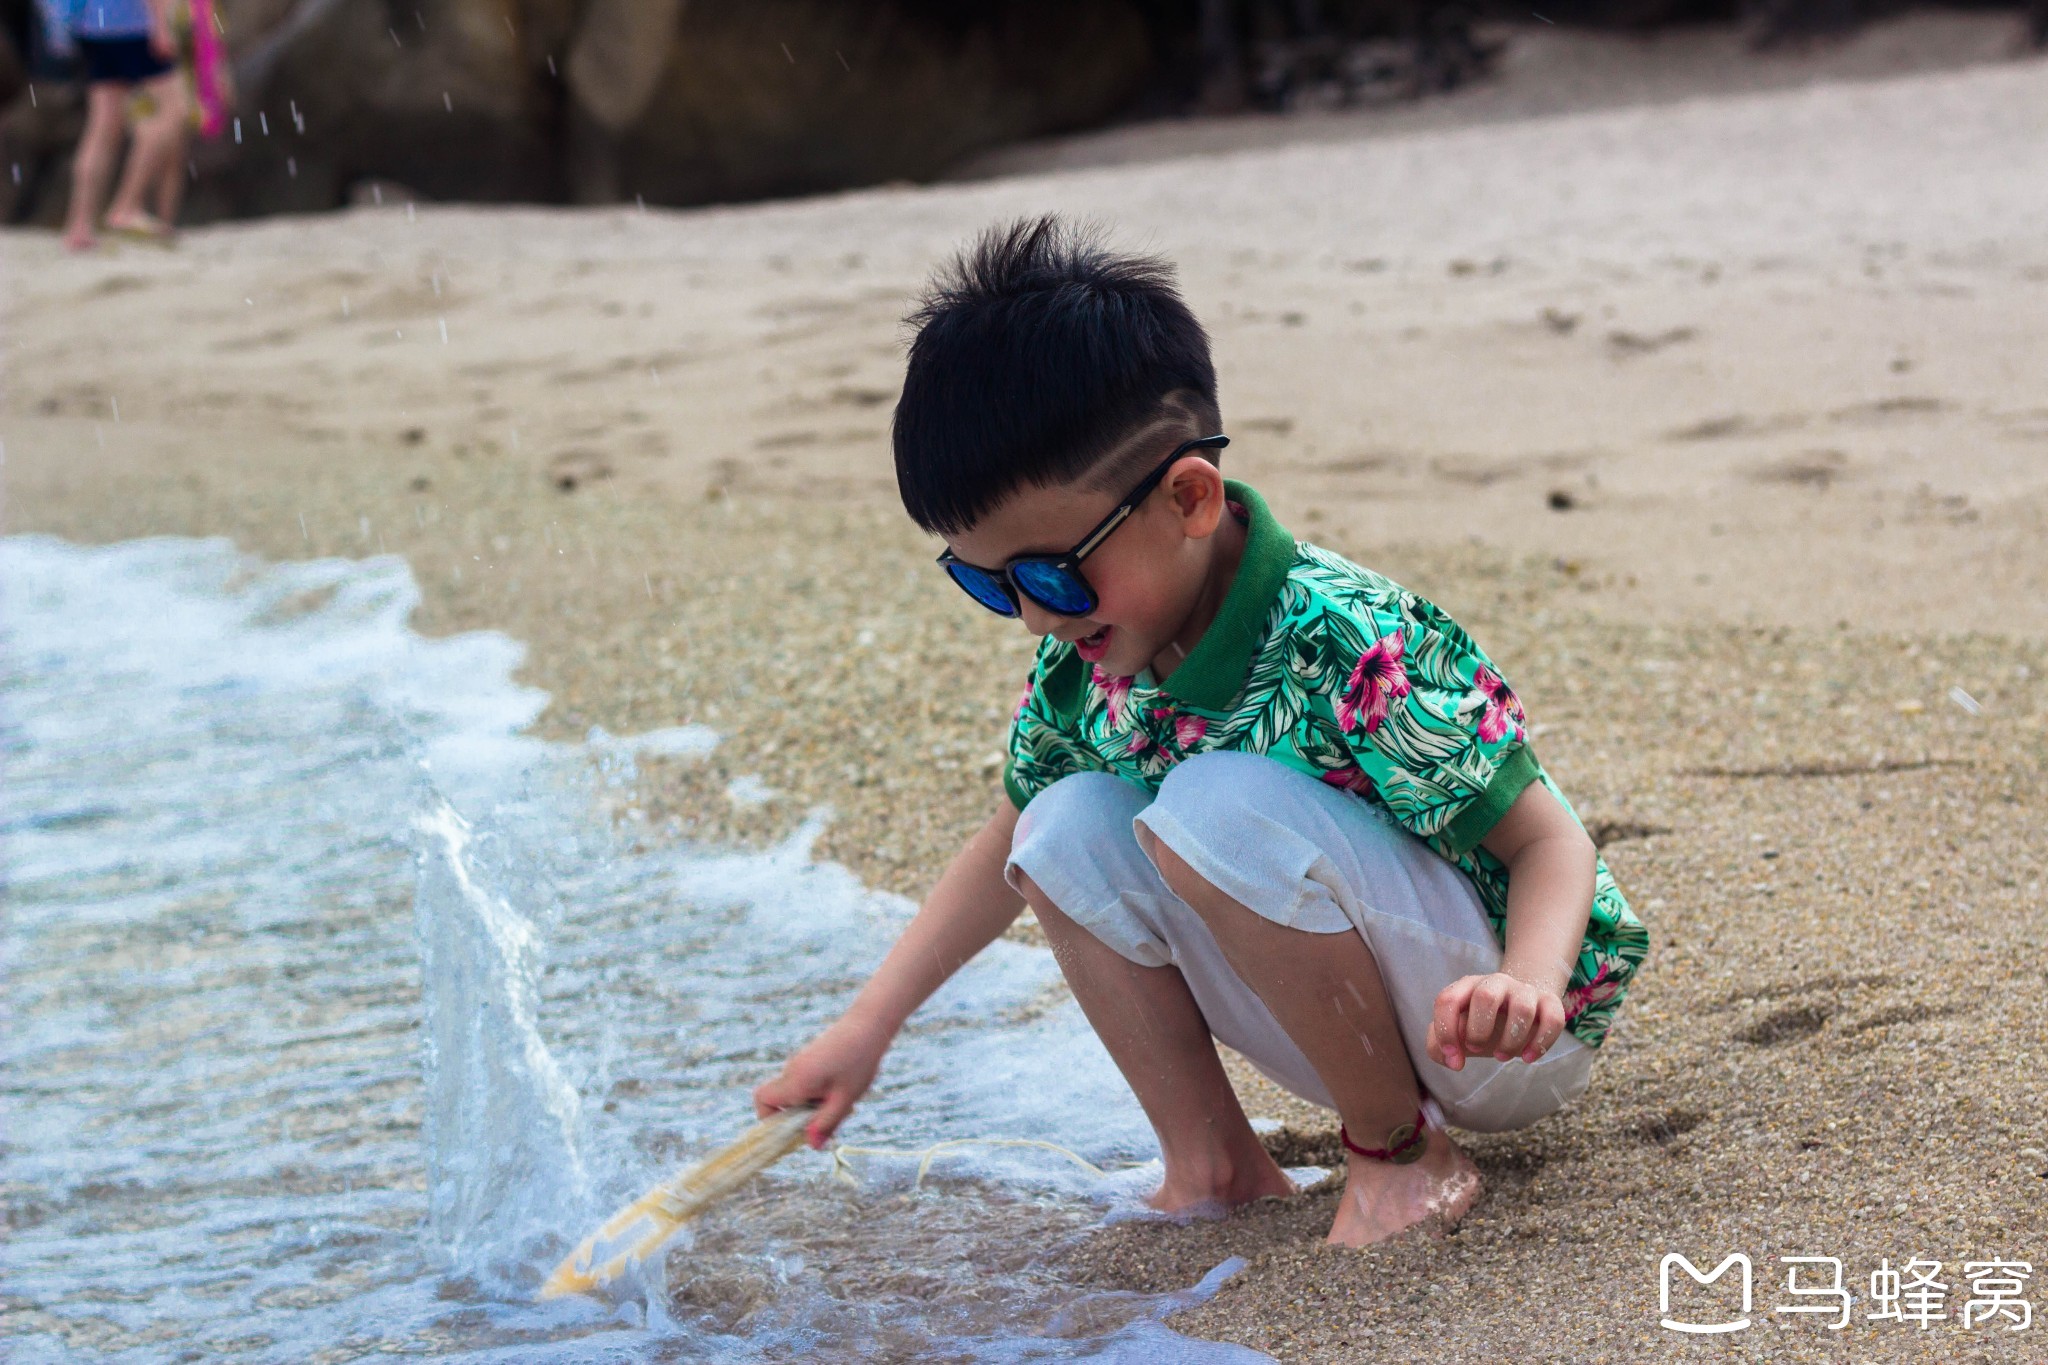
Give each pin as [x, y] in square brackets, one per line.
[1044, 745]
[1434, 730]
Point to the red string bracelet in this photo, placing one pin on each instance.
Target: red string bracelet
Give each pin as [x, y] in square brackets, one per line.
[1404, 1144]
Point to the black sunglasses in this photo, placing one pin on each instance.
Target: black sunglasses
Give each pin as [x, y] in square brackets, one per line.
[1055, 582]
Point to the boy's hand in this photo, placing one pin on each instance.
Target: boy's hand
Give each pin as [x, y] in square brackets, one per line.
[967, 909]
[832, 1071]
[1498, 1014]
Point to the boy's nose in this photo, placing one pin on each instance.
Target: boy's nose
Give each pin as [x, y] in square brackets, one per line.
[1037, 619]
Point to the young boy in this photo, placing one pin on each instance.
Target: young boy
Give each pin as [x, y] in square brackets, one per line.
[1256, 793]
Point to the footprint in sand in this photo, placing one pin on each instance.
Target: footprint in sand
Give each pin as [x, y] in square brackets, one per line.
[2029, 424]
[1787, 1025]
[1904, 1014]
[276, 336]
[1737, 425]
[116, 284]
[1473, 471]
[1667, 1127]
[1605, 832]
[1887, 410]
[1816, 469]
[862, 398]
[1362, 462]
[1626, 344]
[572, 469]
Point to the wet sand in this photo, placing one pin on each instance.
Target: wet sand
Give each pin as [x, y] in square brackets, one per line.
[1719, 422]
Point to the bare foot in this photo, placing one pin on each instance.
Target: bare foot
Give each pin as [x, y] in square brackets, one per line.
[80, 239]
[139, 224]
[1381, 1198]
[1259, 1177]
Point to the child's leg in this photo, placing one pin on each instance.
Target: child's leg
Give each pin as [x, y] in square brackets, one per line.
[159, 142]
[1326, 992]
[1076, 838]
[1345, 928]
[1155, 1034]
[92, 166]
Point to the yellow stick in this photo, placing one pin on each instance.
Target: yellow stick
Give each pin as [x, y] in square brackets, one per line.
[637, 1230]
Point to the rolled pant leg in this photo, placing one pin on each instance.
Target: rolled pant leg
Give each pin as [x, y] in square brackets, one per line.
[1309, 856]
[1074, 840]
[1078, 843]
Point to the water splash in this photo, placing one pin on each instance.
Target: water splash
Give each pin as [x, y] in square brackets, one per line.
[503, 1169]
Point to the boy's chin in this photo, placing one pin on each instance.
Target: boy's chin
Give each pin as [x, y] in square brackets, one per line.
[1118, 663]
[1124, 658]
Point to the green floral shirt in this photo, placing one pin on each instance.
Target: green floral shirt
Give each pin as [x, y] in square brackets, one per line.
[1338, 672]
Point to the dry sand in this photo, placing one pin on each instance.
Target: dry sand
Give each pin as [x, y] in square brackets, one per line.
[1779, 356]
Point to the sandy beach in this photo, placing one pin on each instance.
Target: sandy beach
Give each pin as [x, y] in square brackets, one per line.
[1719, 421]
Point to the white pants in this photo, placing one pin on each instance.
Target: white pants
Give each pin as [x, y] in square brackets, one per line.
[1300, 853]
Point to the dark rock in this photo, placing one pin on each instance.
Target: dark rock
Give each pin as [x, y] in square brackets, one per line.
[785, 96]
[1291, 54]
[682, 102]
[600, 100]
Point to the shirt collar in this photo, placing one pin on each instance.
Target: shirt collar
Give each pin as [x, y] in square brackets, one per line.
[1214, 671]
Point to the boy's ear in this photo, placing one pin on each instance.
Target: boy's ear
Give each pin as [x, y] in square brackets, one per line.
[1196, 487]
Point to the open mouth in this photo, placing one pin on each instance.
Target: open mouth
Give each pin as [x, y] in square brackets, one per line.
[1093, 647]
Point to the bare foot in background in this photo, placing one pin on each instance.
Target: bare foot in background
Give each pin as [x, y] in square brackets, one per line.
[139, 224]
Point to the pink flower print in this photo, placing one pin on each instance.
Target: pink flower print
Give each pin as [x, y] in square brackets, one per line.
[1022, 701]
[1188, 731]
[1147, 752]
[1376, 684]
[1115, 691]
[1579, 999]
[1352, 780]
[1503, 710]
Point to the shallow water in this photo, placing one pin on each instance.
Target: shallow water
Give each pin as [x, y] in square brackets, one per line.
[337, 1011]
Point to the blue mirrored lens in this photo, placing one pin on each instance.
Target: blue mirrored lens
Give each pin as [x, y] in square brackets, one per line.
[983, 587]
[1054, 588]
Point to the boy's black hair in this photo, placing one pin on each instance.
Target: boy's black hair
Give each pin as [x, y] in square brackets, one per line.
[1039, 353]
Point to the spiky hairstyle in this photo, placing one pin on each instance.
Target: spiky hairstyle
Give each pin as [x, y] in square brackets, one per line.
[1038, 356]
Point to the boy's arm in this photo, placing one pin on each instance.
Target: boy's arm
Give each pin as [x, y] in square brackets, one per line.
[969, 906]
[1518, 1011]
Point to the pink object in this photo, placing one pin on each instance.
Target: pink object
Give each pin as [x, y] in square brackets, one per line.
[209, 63]
[1502, 711]
[1379, 680]
[1116, 691]
[1581, 998]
